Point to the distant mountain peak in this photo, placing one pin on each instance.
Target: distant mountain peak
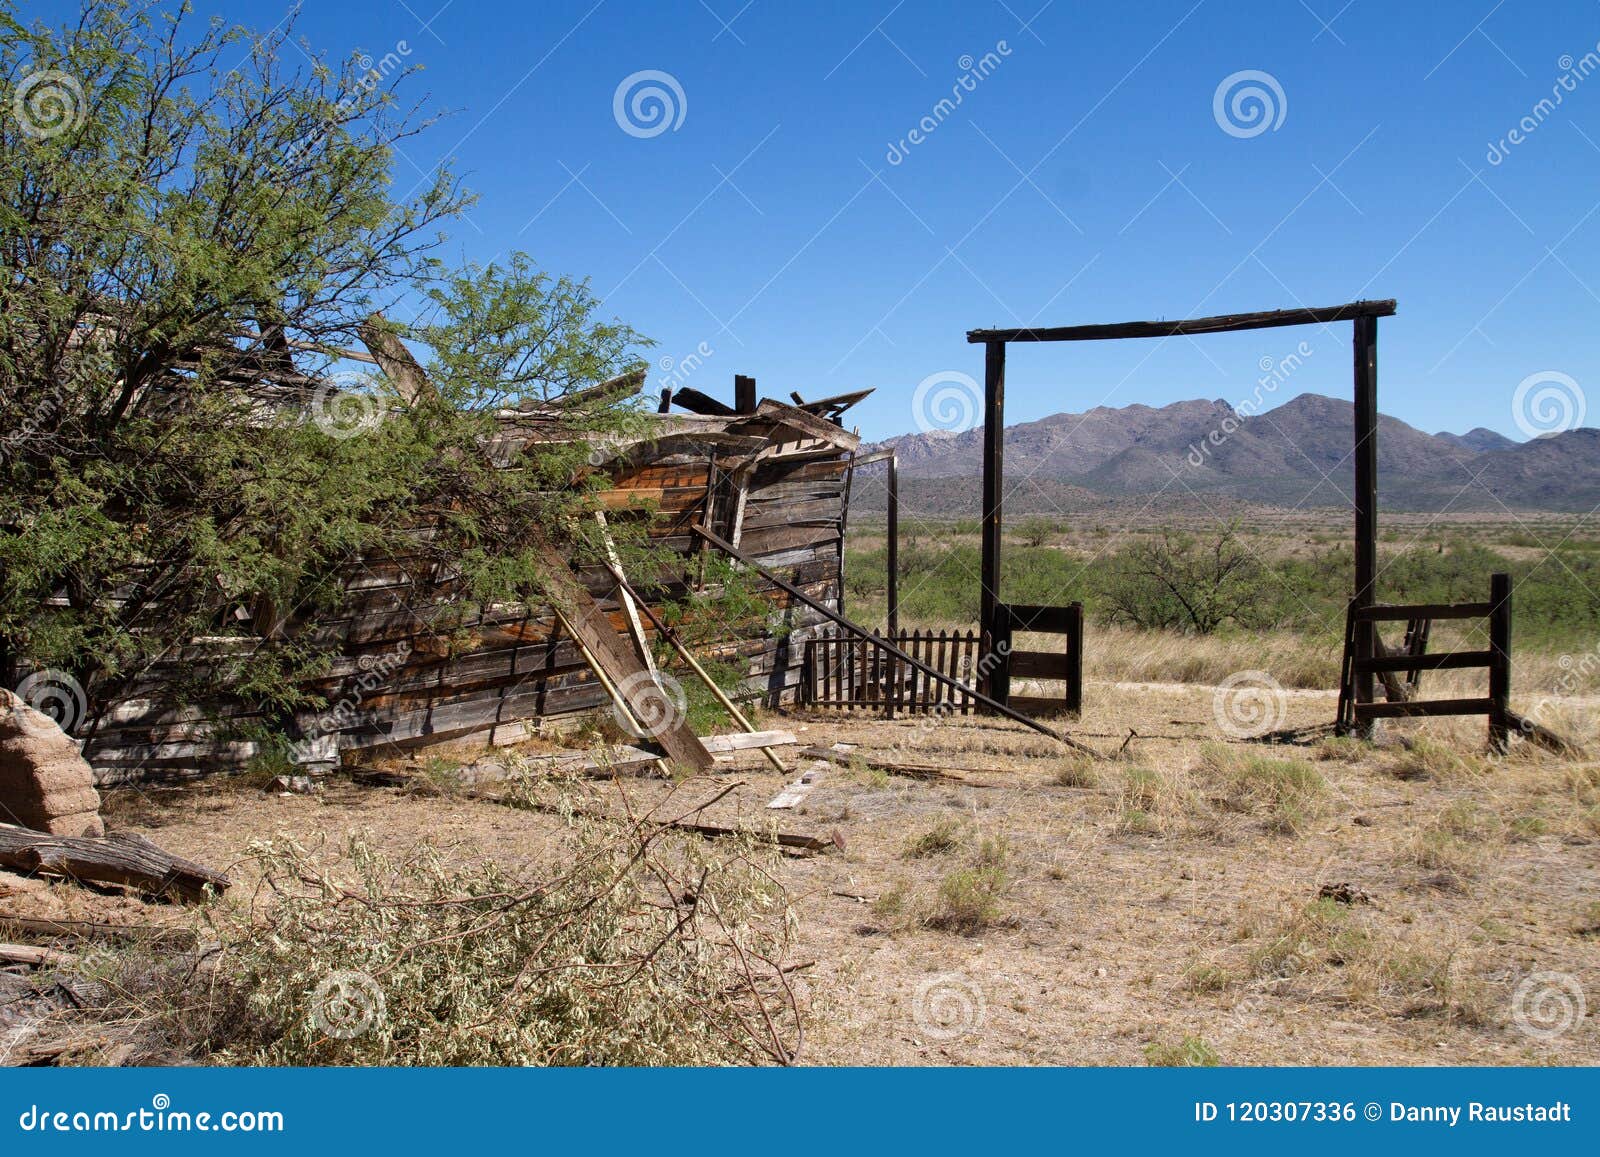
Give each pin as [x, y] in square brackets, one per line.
[1297, 454]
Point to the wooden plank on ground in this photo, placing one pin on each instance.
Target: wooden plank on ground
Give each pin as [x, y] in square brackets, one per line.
[797, 791]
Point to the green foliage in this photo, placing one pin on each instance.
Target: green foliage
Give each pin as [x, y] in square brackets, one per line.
[1176, 581]
[216, 196]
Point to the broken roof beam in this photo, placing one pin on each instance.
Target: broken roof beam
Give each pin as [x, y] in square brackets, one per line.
[807, 424]
[395, 360]
[621, 386]
[1224, 323]
[698, 403]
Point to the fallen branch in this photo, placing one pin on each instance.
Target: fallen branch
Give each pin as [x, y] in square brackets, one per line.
[1542, 735]
[121, 858]
[164, 939]
[925, 771]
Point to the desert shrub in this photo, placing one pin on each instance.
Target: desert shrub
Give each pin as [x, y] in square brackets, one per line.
[969, 899]
[1190, 1052]
[640, 949]
[1076, 771]
[942, 837]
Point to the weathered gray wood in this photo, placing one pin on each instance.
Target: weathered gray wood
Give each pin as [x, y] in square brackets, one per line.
[121, 858]
[615, 660]
[395, 360]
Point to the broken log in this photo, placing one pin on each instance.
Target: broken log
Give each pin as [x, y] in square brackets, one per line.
[121, 858]
[395, 360]
[34, 957]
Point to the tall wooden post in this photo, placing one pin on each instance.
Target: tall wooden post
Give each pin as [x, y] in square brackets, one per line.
[744, 394]
[893, 587]
[1366, 494]
[996, 682]
[1499, 661]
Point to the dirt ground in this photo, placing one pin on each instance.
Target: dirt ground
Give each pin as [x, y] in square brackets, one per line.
[1158, 908]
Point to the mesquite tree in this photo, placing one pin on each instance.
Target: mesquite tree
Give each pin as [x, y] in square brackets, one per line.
[189, 215]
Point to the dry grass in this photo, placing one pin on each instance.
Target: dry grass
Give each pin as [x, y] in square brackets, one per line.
[1101, 909]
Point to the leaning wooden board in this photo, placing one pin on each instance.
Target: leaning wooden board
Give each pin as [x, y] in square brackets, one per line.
[616, 659]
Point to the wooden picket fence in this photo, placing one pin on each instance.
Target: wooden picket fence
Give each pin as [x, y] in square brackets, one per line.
[851, 672]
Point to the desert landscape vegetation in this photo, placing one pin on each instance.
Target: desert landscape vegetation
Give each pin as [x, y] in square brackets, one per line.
[409, 667]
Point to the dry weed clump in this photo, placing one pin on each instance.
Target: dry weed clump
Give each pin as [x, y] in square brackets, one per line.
[1454, 842]
[643, 948]
[1076, 770]
[1155, 803]
[1432, 759]
[1340, 955]
[1286, 793]
[943, 837]
[968, 899]
[1189, 1052]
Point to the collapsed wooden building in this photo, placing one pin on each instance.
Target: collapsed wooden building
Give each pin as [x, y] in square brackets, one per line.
[769, 476]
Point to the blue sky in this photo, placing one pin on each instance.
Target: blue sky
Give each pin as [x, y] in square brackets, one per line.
[1085, 178]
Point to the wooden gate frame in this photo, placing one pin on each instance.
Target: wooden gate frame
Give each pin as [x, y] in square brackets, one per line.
[1364, 315]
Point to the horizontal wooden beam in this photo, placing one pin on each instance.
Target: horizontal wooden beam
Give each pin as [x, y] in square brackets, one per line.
[1224, 323]
[1040, 664]
[1043, 620]
[1393, 612]
[1412, 707]
[1444, 661]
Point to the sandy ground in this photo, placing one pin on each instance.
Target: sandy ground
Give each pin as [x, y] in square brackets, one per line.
[1154, 903]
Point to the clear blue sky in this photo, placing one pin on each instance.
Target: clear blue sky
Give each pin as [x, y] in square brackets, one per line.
[1084, 179]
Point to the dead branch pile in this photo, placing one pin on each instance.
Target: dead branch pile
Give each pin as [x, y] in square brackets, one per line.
[645, 947]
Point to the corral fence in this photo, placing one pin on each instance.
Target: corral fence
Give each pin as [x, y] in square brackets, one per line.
[1357, 705]
[841, 670]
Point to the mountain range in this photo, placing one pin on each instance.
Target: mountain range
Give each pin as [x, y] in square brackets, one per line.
[1298, 454]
